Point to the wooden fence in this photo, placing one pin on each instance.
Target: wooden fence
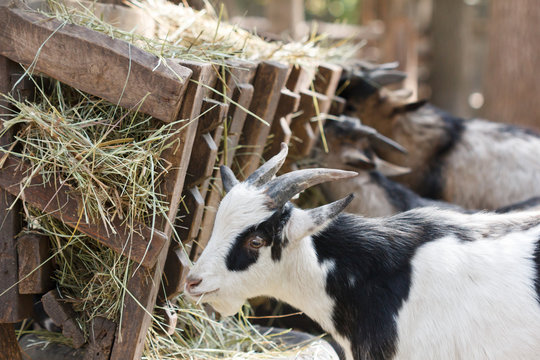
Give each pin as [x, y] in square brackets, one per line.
[219, 132]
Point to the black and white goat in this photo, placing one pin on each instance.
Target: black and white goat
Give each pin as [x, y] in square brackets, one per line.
[424, 284]
[475, 163]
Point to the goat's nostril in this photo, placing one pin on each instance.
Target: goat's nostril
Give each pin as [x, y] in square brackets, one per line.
[192, 282]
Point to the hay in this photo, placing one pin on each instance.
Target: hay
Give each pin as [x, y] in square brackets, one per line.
[110, 156]
[184, 33]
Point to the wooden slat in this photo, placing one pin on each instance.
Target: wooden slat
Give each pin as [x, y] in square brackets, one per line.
[143, 285]
[15, 307]
[9, 347]
[94, 62]
[327, 79]
[269, 80]
[101, 339]
[299, 79]
[288, 104]
[207, 141]
[242, 96]
[34, 270]
[302, 127]
[56, 200]
[63, 315]
[189, 225]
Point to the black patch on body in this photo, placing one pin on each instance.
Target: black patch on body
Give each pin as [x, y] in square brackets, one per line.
[379, 256]
[522, 205]
[404, 199]
[240, 256]
[433, 184]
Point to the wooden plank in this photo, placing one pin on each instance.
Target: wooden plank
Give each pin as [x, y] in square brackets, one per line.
[299, 79]
[269, 80]
[242, 96]
[143, 285]
[302, 127]
[101, 339]
[288, 104]
[9, 346]
[63, 315]
[56, 200]
[327, 79]
[94, 62]
[179, 154]
[206, 144]
[15, 307]
[34, 270]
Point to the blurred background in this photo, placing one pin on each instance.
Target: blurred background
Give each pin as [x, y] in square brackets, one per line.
[473, 58]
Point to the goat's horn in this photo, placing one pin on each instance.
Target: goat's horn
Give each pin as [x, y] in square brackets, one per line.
[383, 140]
[267, 170]
[227, 178]
[379, 138]
[282, 189]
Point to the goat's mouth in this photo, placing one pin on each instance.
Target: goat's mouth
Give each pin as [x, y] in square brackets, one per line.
[201, 294]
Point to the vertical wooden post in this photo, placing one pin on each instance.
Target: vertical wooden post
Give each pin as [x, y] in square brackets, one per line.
[15, 307]
[144, 283]
[269, 81]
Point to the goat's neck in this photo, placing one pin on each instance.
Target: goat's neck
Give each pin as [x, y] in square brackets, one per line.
[302, 283]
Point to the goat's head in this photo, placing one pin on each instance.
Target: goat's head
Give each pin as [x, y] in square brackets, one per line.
[354, 146]
[367, 99]
[257, 228]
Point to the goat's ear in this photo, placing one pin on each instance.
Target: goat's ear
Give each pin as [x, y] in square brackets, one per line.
[304, 223]
[357, 87]
[389, 169]
[409, 107]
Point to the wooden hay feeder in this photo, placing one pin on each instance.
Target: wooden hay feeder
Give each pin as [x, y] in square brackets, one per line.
[121, 73]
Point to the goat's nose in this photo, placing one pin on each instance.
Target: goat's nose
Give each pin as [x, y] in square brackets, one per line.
[192, 282]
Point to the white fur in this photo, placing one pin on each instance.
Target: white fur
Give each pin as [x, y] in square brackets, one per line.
[472, 300]
[488, 170]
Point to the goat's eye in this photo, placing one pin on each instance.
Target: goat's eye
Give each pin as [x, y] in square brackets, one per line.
[256, 242]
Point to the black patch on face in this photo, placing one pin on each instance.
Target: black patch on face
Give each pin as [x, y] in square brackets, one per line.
[536, 260]
[433, 184]
[241, 256]
[379, 256]
[404, 199]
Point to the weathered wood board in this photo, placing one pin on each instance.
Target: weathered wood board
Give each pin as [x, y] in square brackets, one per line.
[15, 307]
[35, 268]
[9, 347]
[269, 80]
[63, 315]
[280, 130]
[94, 62]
